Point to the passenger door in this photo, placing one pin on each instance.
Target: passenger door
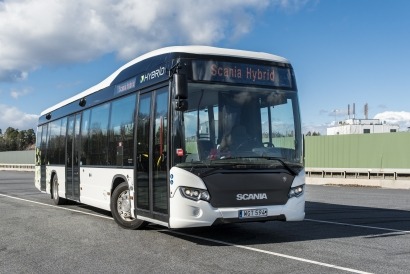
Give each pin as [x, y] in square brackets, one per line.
[152, 163]
[72, 186]
[42, 157]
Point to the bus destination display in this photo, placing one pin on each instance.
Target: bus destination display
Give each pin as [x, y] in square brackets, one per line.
[241, 73]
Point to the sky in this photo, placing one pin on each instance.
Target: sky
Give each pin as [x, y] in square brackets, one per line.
[344, 52]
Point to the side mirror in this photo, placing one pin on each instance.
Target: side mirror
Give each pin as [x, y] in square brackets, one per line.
[181, 105]
[181, 92]
[181, 86]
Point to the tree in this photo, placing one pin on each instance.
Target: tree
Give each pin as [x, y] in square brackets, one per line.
[13, 139]
[21, 140]
[10, 137]
[2, 143]
[314, 133]
[31, 137]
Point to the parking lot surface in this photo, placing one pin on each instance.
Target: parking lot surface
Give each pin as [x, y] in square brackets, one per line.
[347, 230]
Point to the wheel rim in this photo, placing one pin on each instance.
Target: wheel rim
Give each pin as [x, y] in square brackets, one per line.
[124, 206]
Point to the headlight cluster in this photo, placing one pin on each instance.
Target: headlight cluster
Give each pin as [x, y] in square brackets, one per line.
[195, 193]
[296, 191]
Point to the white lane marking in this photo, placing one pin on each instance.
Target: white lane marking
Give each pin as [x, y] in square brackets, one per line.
[361, 226]
[59, 207]
[271, 253]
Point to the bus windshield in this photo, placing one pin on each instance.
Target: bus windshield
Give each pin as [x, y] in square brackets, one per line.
[241, 124]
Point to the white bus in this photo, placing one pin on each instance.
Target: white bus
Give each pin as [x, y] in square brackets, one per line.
[182, 136]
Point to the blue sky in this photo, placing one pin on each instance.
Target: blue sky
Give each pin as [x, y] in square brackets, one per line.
[343, 51]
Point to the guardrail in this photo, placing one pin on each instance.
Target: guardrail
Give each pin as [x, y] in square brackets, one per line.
[386, 178]
[17, 167]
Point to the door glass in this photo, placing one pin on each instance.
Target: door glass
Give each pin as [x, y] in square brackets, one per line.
[62, 141]
[160, 152]
[43, 154]
[69, 158]
[38, 145]
[85, 127]
[76, 162]
[143, 137]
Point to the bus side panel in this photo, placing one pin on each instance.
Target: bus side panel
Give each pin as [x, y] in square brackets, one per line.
[96, 184]
[37, 177]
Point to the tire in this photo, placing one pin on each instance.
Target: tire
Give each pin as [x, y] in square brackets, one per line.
[121, 208]
[56, 198]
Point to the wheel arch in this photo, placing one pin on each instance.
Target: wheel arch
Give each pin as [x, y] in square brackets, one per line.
[116, 181]
[53, 173]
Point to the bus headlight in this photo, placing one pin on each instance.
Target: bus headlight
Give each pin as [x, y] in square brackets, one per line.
[195, 193]
[296, 191]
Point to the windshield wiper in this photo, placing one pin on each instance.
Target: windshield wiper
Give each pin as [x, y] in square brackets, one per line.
[283, 163]
[291, 170]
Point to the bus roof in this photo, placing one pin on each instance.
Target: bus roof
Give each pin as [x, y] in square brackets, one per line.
[205, 50]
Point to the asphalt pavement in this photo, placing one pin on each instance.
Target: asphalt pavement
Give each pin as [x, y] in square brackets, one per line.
[347, 230]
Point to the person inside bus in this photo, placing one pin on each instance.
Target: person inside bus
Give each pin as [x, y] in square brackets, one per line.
[237, 140]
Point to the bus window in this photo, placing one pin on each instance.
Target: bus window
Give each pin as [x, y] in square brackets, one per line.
[121, 133]
[279, 129]
[97, 150]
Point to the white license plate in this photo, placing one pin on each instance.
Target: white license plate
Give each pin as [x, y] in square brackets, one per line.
[253, 213]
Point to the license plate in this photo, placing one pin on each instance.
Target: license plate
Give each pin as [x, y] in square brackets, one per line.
[253, 213]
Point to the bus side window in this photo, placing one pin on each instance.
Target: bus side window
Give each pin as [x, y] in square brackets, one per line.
[85, 127]
[121, 132]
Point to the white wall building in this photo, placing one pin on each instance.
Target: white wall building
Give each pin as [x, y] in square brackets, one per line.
[361, 126]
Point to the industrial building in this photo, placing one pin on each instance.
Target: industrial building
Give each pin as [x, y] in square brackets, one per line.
[361, 126]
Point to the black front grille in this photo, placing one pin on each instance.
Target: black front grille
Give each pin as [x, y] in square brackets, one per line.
[248, 188]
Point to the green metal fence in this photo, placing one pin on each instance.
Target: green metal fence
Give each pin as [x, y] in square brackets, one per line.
[378, 150]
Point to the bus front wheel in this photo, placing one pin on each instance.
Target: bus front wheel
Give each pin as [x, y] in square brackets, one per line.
[121, 208]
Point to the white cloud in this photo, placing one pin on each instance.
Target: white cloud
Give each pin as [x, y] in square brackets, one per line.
[13, 117]
[18, 93]
[292, 5]
[401, 118]
[37, 33]
[318, 128]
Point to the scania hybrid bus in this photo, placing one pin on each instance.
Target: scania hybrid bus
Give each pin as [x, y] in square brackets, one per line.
[183, 136]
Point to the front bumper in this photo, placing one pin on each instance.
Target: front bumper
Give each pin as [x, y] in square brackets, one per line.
[187, 213]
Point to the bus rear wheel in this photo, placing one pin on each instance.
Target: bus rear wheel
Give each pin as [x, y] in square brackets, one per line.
[121, 208]
[56, 198]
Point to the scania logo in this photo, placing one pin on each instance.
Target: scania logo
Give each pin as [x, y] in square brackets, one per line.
[251, 196]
